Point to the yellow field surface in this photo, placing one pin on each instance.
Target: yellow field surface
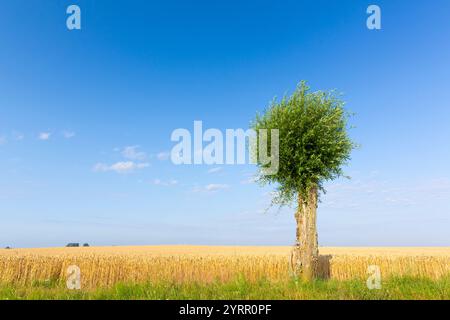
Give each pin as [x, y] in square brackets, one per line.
[105, 266]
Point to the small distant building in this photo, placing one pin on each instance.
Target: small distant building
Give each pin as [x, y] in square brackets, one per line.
[72, 245]
[86, 245]
[7, 248]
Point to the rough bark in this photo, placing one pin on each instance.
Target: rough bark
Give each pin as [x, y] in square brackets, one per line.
[306, 251]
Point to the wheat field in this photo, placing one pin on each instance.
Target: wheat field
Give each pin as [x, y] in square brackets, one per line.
[107, 266]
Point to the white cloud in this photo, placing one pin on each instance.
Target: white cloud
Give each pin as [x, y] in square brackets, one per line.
[158, 182]
[44, 135]
[216, 187]
[101, 167]
[68, 134]
[211, 188]
[163, 156]
[249, 180]
[133, 153]
[134, 161]
[215, 170]
[120, 167]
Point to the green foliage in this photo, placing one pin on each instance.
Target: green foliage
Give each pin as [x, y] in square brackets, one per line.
[314, 143]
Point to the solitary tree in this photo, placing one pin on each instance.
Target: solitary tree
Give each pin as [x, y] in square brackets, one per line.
[313, 147]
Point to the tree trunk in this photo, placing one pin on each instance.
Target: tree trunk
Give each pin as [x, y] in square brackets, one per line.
[306, 251]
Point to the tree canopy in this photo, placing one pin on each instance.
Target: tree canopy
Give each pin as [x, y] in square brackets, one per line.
[314, 143]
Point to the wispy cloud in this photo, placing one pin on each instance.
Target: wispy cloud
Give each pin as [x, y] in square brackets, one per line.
[2, 140]
[215, 187]
[210, 188]
[158, 182]
[215, 170]
[44, 136]
[162, 156]
[68, 134]
[249, 177]
[249, 180]
[120, 167]
[134, 160]
[133, 153]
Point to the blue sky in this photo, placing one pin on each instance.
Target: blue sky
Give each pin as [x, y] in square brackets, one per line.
[74, 105]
